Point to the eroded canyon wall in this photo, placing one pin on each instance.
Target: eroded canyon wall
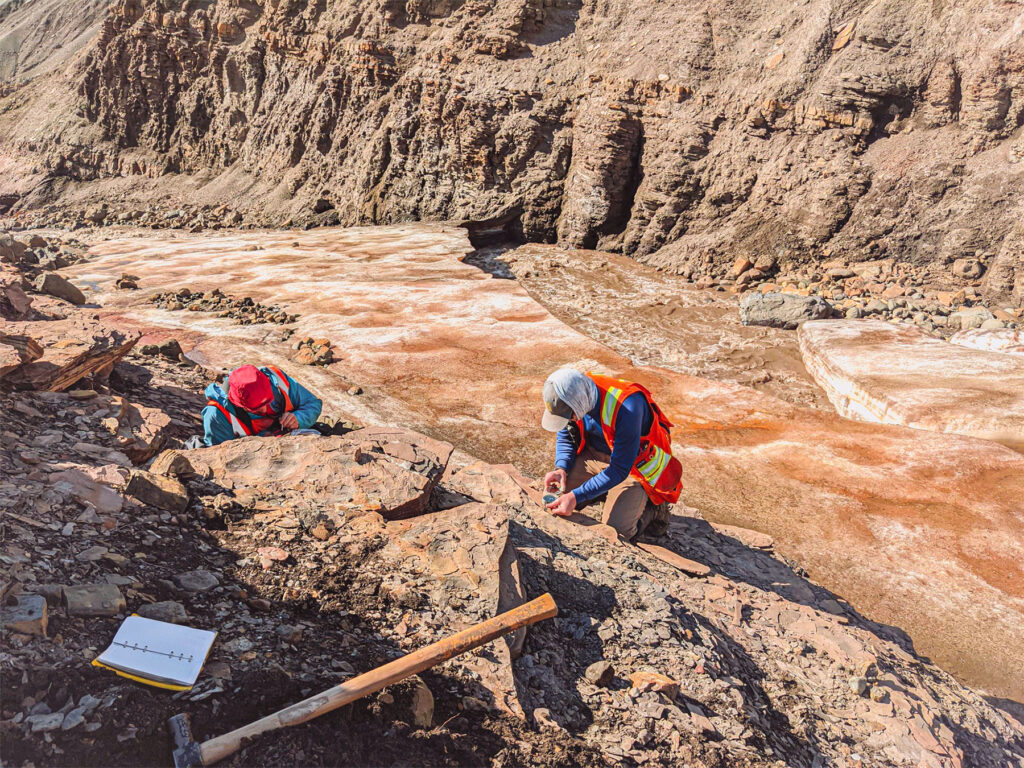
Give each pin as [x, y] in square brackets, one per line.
[682, 133]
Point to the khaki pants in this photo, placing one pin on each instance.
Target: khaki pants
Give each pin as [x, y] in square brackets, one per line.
[625, 506]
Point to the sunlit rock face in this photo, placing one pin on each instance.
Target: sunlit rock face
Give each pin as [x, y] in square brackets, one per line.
[917, 529]
[896, 374]
[1004, 340]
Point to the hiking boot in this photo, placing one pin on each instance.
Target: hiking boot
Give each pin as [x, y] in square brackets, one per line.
[662, 516]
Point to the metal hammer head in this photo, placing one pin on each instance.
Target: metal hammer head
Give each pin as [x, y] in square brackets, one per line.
[186, 750]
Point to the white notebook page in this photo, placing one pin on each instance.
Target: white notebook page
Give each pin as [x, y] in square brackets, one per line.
[158, 650]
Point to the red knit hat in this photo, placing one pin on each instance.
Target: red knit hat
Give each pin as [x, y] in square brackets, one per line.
[249, 388]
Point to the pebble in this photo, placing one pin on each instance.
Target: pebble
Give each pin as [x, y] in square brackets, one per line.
[45, 723]
[858, 685]
[200, 580]
[600, 673]
[73, 719]
[169, 611]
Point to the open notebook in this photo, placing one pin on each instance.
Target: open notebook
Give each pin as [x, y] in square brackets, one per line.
[157, 653]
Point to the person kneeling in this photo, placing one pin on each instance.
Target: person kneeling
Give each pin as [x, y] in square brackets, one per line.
[612, 441]
[257, 401]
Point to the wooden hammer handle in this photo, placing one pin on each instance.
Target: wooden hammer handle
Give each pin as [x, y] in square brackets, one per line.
[529, 613]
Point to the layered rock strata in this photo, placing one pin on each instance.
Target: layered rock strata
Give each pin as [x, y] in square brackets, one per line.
[682, 135]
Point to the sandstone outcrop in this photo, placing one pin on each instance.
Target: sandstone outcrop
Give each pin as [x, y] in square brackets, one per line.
[444, 348]
[684, 136]
[888, 374]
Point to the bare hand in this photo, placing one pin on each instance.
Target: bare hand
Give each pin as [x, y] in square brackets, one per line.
[555, 480]
[563, 506]
[288, 421]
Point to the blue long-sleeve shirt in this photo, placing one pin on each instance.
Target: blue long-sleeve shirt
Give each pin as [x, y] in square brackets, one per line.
[217, 429]
[632, 422]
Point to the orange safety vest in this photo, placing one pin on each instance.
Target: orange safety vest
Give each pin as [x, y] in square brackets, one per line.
[659, 472]
[237, 425]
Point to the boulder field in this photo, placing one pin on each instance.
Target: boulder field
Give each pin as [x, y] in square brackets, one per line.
[917, 529]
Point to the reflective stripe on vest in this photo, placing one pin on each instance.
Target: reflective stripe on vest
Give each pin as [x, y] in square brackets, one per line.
[283, 386]
[654, 466]
[236, 426]
[609, 408]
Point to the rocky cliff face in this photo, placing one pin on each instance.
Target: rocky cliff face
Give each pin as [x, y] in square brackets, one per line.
[683, 134]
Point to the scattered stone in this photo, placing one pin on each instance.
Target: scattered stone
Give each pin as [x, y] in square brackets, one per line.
[542, 716]
[92, 554]
[127, 283]
[676, 561]
[196, 581]
[53, 284]
[858, 685]
[158, 490]
[654, 681]
[740, 266]
[170, 464]
[969, 318]
[600, 673]
[310, 351]
[45, 723]
[290, 633]
[422, 704]
[171, 349]
[968, 269]
[73, 719]
[94, 600]
[243, 311]
[170, 611]
[782, 310]
[28, 615]
[104, 499]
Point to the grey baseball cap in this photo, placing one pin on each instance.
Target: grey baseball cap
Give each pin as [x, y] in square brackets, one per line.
[557, 412]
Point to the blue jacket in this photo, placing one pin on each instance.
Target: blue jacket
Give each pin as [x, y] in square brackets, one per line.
[632, 422]
[217, 429]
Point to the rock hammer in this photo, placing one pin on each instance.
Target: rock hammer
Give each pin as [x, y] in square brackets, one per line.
[188, 753]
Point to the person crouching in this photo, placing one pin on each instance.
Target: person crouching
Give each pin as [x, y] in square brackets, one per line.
[257, 401]
[612, 441]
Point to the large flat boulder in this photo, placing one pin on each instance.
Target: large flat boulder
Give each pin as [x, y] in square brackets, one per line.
[390, 471]
[782, 310]
[896, 374]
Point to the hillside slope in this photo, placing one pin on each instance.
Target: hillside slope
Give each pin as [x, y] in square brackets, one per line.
[683, 134]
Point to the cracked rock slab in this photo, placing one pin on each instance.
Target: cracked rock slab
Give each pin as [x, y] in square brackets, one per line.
[390, 471]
